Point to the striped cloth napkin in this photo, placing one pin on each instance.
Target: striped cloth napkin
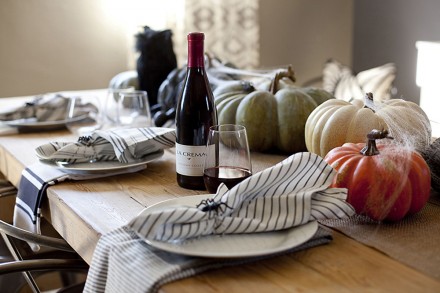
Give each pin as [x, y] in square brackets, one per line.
[292, 193]
[289, 194]
[126, 145]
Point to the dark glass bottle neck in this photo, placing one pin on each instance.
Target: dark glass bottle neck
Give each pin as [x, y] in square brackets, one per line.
[195, 53]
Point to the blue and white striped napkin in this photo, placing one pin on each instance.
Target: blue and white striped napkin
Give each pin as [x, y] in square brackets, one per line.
[289, 194]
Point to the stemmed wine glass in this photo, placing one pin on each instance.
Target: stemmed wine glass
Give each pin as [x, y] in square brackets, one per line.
[228, 157]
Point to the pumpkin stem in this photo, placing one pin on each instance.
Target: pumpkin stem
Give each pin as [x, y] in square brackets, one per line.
[370, 148]
[208, 60]
[289, 73]
[369, 101]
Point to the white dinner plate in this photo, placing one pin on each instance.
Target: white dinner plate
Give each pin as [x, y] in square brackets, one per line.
[31, 124]
[232, 245]
[101, 166]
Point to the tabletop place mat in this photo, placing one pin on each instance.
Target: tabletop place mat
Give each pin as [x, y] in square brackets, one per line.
[414, 241]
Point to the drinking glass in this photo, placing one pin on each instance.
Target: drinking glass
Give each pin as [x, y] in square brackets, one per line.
[84, 115]
[112, 106]
[128, 108]
[228, 158]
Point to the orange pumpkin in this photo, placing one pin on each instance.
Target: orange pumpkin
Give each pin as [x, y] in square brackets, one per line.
[384, 182]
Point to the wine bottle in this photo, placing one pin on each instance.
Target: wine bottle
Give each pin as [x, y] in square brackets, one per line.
[195, 113]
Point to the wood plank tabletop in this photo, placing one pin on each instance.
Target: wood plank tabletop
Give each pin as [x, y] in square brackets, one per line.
[81, 211]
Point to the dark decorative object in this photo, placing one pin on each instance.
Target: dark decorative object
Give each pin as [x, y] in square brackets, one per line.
[156, 60]
[212, 205]
[432, 157]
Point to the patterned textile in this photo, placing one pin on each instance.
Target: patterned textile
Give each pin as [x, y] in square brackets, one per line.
[231, 28]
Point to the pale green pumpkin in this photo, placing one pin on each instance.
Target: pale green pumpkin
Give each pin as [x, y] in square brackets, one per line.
[274, 120]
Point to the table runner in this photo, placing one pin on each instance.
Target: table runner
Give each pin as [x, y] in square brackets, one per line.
[414, 241]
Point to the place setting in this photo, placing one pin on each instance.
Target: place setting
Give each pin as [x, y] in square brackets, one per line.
[46, 112]
[106, 144]
[245, 217]
[78, 112]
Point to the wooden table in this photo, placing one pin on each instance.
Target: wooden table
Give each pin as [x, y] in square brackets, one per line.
[82, 211]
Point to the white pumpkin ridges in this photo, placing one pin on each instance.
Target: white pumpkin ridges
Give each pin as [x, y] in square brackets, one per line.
[335, 122]
[316, 121]
[336, 128]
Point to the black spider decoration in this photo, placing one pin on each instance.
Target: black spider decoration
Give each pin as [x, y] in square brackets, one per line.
[85, 139]
[210, 205]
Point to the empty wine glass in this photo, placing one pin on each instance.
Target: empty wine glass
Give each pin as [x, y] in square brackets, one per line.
[127, 108]
[134, 109]
[228, 157]
[111, 111]
[84, 115]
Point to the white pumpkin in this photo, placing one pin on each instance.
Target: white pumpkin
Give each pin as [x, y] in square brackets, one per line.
[336, 122]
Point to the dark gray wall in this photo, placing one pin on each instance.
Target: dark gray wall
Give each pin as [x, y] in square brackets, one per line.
[387, 30]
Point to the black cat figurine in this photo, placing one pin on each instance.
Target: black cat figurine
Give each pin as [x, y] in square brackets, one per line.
[156, 60]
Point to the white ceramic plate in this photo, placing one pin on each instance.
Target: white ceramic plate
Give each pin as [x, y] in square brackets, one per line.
[233, 245]
[31, 124]
[101, 166]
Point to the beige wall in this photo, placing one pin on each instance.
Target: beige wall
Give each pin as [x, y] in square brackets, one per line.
[52, 45]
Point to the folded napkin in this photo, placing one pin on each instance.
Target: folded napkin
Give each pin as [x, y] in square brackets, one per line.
[125, 144]
[32, 188]
[52, 107]
[289, 194]
[292, 193]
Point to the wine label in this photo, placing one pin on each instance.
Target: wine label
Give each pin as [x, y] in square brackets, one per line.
[190, 159]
